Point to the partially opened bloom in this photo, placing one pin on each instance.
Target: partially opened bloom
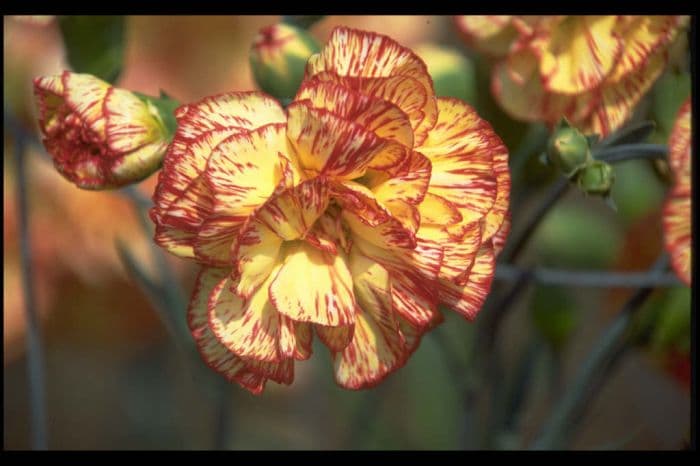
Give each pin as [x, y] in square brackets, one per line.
[99, 136]
[593, 70]
[677, 208]
[352, 215]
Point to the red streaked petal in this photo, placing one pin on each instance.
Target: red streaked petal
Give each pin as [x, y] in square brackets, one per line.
[335, 338]
[244, 170]
[85, 95]
[383, 118]
[491, 34]
[461, 149]
[359, 200]
[238, 110]
[410, 186]
[330, 145]
[250, 328]
[214, 354]
[313, 286]
[255, 254]
[376, 350]
[436, 210]
[467, 299]
[130, 123]
[294, 339]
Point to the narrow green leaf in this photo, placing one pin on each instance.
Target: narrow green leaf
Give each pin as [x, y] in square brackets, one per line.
[94, 44]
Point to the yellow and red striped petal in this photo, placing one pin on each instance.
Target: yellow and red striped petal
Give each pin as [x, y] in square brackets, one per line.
[355, 53]
[643, 36]
[292, 213]
[382, 67]
[360, 200]
[461, 149]
[131, 123]
[255, 254]
[677, 233]
[677, 209]
[240, 110]
[457, 254]
[244, 170]
[495, 217]
[383, 118]
[580, 53]
[467, 299]
[335, 338]
[618, 100]
[436, 210]
[313, 286]
[390, 234]
[249, 328]
[49, 93]
[410, 186]
[85, 95]
[214, 354]
[499, 239]
[376, 350]
[214, 239]
[327, 144]
[294, 339]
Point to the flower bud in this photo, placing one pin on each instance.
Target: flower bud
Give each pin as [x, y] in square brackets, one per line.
[596, 178]
[453, 74]
[569, 149]
[278, 59]
[99, 136]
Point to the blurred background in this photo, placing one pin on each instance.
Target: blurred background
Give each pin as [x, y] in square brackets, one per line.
[116, 379]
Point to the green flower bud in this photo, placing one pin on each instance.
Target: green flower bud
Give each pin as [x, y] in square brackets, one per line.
[597, 178]
[278, 59]
[568, 149]
[453, 74]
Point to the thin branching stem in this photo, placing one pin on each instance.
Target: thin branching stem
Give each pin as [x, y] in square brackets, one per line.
[588, 278]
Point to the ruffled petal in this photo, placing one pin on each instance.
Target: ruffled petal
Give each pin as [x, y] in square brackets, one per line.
[383, 118]
[214, 354]
[255, 255]
[85, 95]
[245, 169]
[313, 286]
[327, 144]
[250, 328]
[461, 149]
[467, 299]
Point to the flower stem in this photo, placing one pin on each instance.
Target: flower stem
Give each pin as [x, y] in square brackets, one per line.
[35, 356]
[632, 152]
[588, 278]
[606, 353]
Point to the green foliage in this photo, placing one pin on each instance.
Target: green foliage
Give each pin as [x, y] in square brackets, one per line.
[554, 314]
[637, 190]
[94, 44]
[669, 93]
[576, 236]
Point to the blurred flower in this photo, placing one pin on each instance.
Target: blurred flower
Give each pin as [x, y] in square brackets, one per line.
[278, 57]
[354, 214]
[35, 20]
[677, 208]
[99, 136]
[591, 69]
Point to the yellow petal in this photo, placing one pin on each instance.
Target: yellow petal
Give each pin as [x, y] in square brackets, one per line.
[255, 255]
[491, 34]
[85, 95]
[410, 186]
[436, 210]
[335, 338]
[313, 286]
[580, 54]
